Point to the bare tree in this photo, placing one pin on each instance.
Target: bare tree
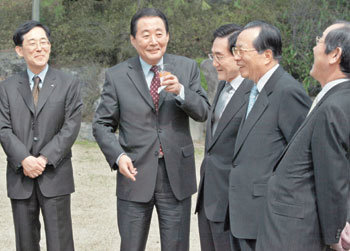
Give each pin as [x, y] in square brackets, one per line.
[36, 10]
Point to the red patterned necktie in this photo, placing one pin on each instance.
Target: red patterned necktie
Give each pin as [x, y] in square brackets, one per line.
[155, 84]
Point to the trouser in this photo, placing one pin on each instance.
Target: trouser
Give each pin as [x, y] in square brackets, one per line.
[242, 244]
[213, 235]
[57, 221]
[134, 218]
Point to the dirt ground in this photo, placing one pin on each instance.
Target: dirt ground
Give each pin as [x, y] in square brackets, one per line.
[93, 205]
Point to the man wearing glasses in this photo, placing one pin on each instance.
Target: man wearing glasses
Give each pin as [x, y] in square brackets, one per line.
[40, 114]
[276, 106]
[222, 127]
[307, 197]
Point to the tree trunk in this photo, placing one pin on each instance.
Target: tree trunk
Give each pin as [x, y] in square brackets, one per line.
[36, 10]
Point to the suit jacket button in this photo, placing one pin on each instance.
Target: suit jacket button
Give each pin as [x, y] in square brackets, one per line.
[35, 139]
[156, 153]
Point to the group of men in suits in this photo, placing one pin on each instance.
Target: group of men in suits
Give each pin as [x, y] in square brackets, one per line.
[275, 174]
[275, 171]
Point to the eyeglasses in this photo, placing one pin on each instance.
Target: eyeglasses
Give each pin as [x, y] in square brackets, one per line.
[318, 39]
[239, 51]
[32, 44]
[216, 57]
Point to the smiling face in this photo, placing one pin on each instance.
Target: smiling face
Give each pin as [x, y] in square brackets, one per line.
[223, 60]
[35, 49]
[251, 64]
[151, 39]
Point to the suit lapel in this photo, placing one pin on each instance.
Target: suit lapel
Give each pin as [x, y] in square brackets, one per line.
[235, 104]
[24, 90]
[258, 109]
[339, 87]
[210, 120]
[137, 77]
[48, 86]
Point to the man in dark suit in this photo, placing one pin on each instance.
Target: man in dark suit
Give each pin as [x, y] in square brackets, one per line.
[40, 114]
[154, 155]
[307, 195]
[276, 106]
[222, 127]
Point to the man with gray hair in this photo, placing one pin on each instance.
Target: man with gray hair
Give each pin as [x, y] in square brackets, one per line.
[307, 197]
[275, 108]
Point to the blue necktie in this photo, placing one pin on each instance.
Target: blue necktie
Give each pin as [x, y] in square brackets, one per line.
[252, 98]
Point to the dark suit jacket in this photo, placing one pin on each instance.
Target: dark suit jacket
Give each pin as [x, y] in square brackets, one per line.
[219, 149]
[277, 113]
[308, 193]
[126, 104]
[50, 130]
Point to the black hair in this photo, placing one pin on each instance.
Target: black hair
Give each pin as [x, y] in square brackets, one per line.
[25, 28]
[228, 30]
[269, 38]
[147, 12]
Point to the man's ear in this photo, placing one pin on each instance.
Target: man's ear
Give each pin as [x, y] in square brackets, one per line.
[132, 40]
[335, 55]
[19, 50]
[268, 56]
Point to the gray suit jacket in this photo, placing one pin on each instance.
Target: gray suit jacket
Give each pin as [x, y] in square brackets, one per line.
[219, 149]
[126, 104]
[49, 130]
[277, 113]
[308, 193]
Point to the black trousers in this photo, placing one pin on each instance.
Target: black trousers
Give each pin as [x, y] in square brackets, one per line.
[213, 235]
[242, 244]
[134, 218]
[57, 220]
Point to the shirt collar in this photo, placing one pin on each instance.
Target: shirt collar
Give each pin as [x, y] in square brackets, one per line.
[329, 86]
[263, 80]
[41, 75]
[235, 83]
[146, 67]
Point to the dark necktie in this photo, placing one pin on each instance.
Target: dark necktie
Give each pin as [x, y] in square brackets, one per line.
[35, 90]
[155, 84]
[221, 104]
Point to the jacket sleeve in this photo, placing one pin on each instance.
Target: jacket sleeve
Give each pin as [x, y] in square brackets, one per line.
[15, 150]
[106, 121]
[196, 104]
[330, 155]
[294, 106]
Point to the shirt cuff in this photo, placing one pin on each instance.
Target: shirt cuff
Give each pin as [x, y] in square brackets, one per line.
[181, 96]
[117, 161]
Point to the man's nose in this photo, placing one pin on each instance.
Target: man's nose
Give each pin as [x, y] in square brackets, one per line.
[215, 62]
[236, 57]
[154, 39]
[39, 47]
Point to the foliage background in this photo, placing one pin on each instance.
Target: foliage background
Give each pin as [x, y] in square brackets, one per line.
[97, 31]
